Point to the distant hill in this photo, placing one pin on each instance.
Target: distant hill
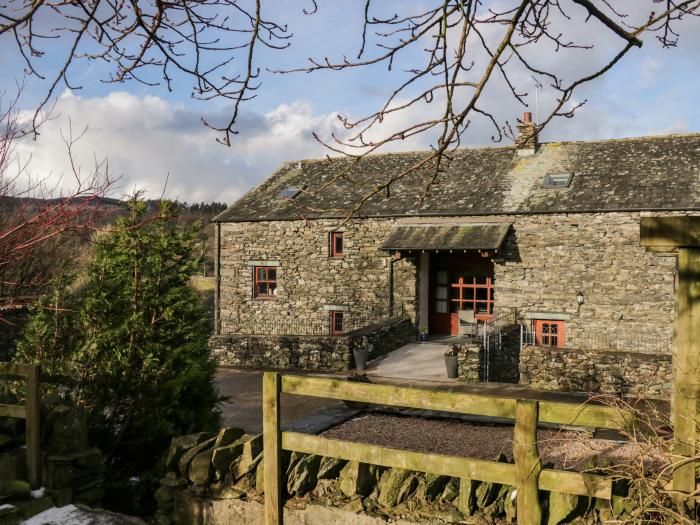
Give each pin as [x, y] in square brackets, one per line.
[112, 207]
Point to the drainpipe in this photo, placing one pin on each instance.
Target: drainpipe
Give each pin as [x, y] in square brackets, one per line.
[392, 260]
[217, 281]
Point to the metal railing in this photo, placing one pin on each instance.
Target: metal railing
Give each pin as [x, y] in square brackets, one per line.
[321, 325]
[493, 329]
[643, 342]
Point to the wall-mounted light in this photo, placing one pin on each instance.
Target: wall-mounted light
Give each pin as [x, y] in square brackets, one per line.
[580, 299]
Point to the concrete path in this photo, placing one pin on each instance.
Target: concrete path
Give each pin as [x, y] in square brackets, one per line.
[243, 408]
[414, 361]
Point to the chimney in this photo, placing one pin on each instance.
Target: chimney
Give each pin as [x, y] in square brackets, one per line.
[526, 141]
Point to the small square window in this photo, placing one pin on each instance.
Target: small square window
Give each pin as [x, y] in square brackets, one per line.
[336, 244]
[557, 180]
[265, 282]
[337, 322]
[549, 333]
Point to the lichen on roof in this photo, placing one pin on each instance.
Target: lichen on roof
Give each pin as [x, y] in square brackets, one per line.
[647, 173]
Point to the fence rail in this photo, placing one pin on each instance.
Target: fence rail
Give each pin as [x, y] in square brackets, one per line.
[526, 474]
[29, 412]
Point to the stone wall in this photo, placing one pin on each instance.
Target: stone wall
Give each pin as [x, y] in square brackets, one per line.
[629, 291]
[217, 479]
[311, 352]
[469, 357]
[308, 278]
[73, 470]
[573, 370]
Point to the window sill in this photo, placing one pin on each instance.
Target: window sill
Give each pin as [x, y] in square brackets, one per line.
[265, 298]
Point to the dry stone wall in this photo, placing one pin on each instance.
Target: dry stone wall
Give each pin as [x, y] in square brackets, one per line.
[217, 479]
[73, 471]
[574, 370]
[311, 352]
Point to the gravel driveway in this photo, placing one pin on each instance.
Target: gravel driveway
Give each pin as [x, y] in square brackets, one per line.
[563, 449]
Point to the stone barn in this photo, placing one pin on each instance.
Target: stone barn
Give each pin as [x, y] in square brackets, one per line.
[532, 251]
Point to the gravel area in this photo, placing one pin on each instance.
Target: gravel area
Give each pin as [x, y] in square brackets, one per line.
[562, 449]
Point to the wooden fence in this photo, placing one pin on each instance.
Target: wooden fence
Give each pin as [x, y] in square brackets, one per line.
[527, 474]
[29, 412]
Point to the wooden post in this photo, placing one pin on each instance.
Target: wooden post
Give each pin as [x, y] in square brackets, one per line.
[681, 235]
[527, 463]
[687, 367]
[32, 427]
[272, 449]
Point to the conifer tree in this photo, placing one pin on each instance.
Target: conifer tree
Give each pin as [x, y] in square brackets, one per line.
[134, 337]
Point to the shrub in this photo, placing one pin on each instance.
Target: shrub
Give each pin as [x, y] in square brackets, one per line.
[132, 337]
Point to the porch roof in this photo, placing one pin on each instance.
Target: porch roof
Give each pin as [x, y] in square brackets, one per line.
[446, 237]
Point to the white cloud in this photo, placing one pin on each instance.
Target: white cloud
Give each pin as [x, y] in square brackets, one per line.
[148, 139]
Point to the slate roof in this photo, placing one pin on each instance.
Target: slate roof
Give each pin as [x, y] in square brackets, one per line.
[452, 237]
[647, 173]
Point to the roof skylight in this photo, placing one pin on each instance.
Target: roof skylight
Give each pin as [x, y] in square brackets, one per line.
[289, 193]
[557, 180]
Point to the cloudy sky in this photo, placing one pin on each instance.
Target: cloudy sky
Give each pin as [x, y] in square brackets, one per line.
[151, 135]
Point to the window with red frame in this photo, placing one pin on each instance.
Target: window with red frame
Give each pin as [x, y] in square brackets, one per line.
[265, 281]
[336, 320]
[336, 244]
[549, 333]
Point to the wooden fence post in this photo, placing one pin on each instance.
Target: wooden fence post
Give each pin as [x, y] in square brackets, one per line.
[32, 427]
[681, 235]
[527, 463]
[687, 368]
[272, 451]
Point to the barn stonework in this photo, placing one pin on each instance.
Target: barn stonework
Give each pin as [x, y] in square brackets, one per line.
[533, 252]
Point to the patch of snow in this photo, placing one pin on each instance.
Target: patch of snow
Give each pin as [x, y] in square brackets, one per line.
[513, 495]
[55, 516]
[73, 515]
[135, 479]
[38, 493]
[7, 506]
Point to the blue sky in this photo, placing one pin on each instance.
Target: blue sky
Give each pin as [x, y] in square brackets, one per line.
[150, 135]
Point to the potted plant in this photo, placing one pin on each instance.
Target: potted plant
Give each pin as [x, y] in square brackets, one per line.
[424, 334]
[361, 352]
[451, 362]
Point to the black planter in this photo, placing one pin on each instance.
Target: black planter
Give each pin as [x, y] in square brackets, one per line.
[452, 366]
[424, 337]
[360, 355]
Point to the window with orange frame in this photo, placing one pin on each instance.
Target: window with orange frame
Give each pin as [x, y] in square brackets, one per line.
[549, 333]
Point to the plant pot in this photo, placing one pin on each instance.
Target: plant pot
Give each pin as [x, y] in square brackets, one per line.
[452, 366]
[424, 337]
[360, 355]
